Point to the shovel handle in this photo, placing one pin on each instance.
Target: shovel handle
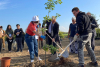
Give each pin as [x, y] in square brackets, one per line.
[54, 42]
[66, 48]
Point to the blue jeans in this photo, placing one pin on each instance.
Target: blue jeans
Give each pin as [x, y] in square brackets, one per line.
[32, 45]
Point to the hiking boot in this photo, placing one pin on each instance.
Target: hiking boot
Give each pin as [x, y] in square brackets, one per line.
[94, 64]
[81, 66]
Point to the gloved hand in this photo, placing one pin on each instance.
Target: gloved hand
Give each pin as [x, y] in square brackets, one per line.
[43, 37]
[75, 37]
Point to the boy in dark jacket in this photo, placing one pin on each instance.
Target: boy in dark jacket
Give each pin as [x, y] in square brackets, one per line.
[18, 33]
[84, 31]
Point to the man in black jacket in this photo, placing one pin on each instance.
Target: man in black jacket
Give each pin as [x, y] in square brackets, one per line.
[93, 26]
[53, 30]
[85, 32]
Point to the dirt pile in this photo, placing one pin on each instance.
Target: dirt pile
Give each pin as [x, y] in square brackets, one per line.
[64, 62]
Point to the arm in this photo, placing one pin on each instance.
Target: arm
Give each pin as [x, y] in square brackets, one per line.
[68, 33]
[35, 32]
[94, 24]
[80, 25]
[6, 34]
[57, 31]
[15, 32]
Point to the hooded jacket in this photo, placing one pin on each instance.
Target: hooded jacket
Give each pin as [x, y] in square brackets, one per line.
[83, 24]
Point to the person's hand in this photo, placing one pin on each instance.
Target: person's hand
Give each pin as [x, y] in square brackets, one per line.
[43, 37]
[76, 37]
[68, 36]
[53, 39]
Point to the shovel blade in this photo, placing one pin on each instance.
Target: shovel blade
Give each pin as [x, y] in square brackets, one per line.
[65, 54]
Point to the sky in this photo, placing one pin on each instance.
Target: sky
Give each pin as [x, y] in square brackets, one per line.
[21, 11]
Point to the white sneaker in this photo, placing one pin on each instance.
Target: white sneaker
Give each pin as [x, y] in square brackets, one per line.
[38, 58]
[32, 61]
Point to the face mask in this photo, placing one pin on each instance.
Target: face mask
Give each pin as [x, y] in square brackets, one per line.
[35, 24]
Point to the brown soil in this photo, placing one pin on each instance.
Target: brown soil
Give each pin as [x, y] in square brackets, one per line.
[22, 59]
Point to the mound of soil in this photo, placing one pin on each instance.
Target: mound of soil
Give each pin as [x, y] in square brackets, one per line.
[64, 62]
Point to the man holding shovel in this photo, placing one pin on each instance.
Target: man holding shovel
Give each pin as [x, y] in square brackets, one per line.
[85, 34]
[53, 30]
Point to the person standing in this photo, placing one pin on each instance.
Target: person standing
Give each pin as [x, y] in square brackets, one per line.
[93, 26]
[84, 31]
[1, 35]
[53, 30]
[31, 40]
[9, 34]
[72, 31]
[18, 33]
[3, 38]
[40, 39]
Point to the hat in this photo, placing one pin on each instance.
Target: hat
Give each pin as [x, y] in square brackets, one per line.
[35, 18]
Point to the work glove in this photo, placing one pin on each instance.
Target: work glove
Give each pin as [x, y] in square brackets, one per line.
[75, 37]
[43, 37]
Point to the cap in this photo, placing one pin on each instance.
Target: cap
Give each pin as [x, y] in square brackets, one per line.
[35, 18]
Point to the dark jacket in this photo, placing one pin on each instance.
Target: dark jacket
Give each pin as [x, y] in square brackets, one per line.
[83, 24]
[55, 28]
[18, 30]
[93, 22]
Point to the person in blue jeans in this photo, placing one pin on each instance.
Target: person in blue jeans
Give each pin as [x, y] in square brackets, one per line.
[31, 39]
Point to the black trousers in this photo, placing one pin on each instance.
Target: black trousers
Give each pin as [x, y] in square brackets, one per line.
[93, 41]
[9, 44]
[23, 42]
[52, 43]
[0, 44]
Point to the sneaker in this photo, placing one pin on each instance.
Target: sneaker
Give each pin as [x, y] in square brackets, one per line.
[81, 66]
[38, 58]
[32, 61]
[94, 64]
[17, 51]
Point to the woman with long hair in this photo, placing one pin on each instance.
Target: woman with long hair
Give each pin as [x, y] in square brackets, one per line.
[9, 34]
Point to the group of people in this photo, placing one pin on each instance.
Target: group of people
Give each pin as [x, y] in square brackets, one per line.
[73, 30]
[81, 30]
[9, 35]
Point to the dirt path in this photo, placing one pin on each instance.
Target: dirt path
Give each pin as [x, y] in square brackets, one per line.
[22, 58]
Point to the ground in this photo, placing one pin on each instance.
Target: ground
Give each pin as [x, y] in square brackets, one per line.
[18, 59]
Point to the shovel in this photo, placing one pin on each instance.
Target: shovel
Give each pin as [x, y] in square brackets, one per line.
[56, 56]
[63, 52]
